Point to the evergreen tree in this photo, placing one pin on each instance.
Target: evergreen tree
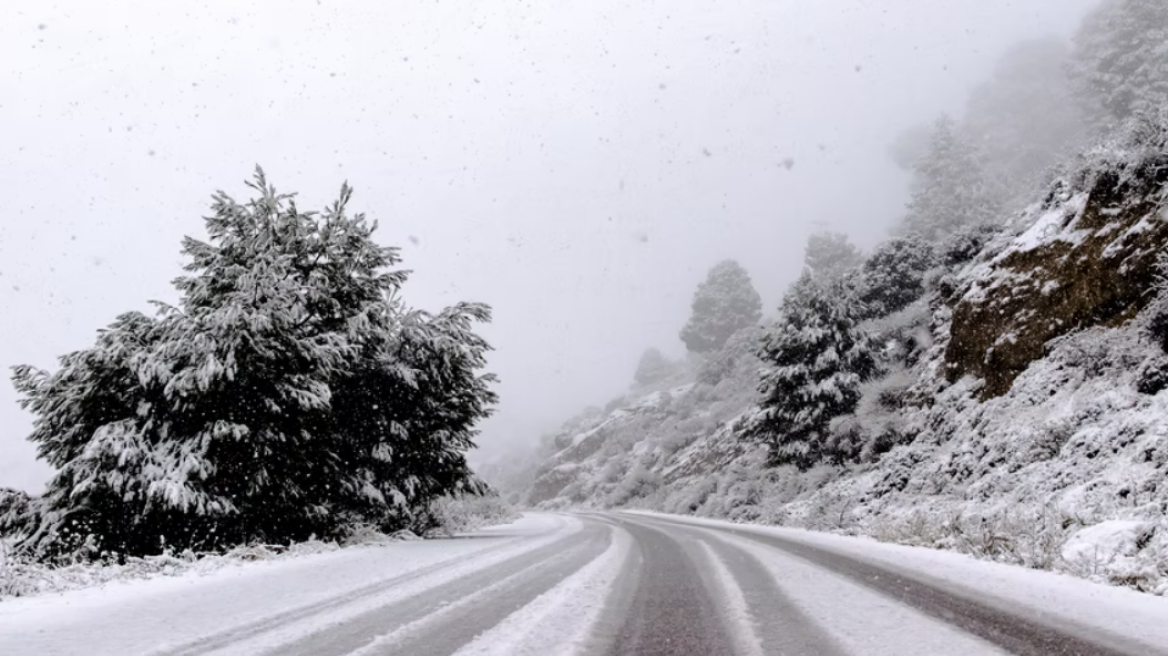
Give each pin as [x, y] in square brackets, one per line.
[830, 255]
[951, 190]
[893, 275]
[722, 305]
[816, 357]
[736, 359]
[289, 394]
[1119, 65]
[653, 368]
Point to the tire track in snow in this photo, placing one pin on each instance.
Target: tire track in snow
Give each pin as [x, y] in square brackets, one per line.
[672, 610]
[1007, 626]
[446, 617]
[563, 620]
[766, 619]
[778, 626]
[849, 617]
[734, 605]
[238, 638]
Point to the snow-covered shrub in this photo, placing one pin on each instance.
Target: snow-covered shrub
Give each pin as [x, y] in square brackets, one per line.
[1097, 351]
[21, 576]
[640, 481]
[1030, 537]
[737, 357]
[827, 507]
[878, 423]
[683, 434]
[1049, 440]
[964, 244]
[459, 514]
[892, 277]
[1155, 320]
[1152, 376]
[1121, 552]
[687, 500]
[15, 506]
[613, 471]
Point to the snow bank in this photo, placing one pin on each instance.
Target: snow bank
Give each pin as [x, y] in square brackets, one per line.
[1108, 610]
[140, 616]
[23, 578]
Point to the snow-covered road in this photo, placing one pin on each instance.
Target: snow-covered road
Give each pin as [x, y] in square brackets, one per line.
[600, 583]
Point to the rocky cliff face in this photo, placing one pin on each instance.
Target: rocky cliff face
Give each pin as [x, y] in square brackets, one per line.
[1089, 259]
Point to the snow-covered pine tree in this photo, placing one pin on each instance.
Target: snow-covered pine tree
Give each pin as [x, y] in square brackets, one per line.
[653, 367]
[723, 304]
[244, 413]
[830, 255]
[815, 357]
[736, 360]
[407, 413]
[1119, 63]
[951, 189]
[893, 275]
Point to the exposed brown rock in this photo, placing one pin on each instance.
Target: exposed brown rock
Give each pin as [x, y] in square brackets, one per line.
[1097, 268]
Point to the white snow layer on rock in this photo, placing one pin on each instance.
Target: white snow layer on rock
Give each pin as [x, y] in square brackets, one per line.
[1071, 445]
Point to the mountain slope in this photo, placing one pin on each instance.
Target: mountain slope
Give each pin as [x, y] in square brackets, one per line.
[1028, 425]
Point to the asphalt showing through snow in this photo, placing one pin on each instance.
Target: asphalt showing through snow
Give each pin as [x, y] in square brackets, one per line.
[671, 588]
[454, 613]
[672, 609]
[1008, 628]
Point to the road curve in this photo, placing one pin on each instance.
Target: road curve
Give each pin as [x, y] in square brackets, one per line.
[671, 610]
[627, 584]
[1010, 628]
[448, 616]
[681, 589]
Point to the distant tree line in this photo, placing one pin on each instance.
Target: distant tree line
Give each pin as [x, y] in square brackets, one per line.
[847, 326]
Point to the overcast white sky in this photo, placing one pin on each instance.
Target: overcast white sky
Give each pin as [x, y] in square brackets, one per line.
[578, 165]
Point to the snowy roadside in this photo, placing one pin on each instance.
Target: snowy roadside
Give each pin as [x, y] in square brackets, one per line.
[21, 578]
[139, 616]
[1082, 603]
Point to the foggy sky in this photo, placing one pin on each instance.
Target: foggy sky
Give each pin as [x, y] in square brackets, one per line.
[577, 165]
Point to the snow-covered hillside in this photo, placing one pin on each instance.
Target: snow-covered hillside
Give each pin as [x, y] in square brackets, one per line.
[1030, 426]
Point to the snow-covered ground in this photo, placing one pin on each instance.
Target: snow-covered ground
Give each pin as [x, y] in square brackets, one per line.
[560, 585]
[133, 617]
[1077, 604]
[1062, 467]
